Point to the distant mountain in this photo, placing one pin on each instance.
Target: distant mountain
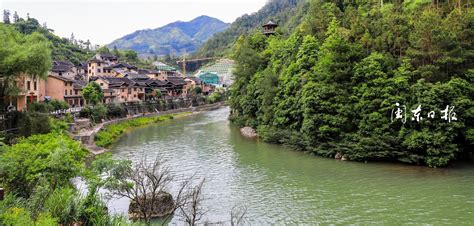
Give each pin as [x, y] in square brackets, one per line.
[175, 38]
[287, 13]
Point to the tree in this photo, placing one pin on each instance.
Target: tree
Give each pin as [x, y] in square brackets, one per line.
[191, 210]
[21, 55]
[16, 18]
[93, 93]
[145, 185]
[6, 16]
[197, 90]
[131, 55]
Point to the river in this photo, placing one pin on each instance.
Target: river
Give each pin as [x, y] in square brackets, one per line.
[278, 185]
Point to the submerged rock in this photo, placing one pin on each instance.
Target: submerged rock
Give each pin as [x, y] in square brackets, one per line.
[162, 206]
[248, 132]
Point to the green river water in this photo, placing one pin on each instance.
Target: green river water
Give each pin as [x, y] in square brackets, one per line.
[278, 185]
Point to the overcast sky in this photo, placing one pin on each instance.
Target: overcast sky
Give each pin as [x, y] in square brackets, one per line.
[103, 21]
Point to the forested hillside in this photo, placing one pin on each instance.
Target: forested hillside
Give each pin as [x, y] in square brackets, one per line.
[62, 48]
[287, 13]
[333, 85]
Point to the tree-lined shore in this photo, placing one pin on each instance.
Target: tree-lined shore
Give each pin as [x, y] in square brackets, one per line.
[332, 86]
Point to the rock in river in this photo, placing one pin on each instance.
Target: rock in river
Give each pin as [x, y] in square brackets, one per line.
[162, 206]
[248, 132]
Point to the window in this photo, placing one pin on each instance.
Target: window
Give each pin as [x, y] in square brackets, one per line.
[34, 85]
[60, 73]
[90, 71]
[98, 70]
[134, 89]
[98, 64]
[89, 64]
[28, 85]
[70, 92]
[123, 90]
[75, 92]
[65, 92]
[134, 95]
[101, 84]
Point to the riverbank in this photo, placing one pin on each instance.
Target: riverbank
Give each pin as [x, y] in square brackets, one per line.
[110, 131]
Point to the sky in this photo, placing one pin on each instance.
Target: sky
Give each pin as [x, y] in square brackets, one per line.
[102, 21]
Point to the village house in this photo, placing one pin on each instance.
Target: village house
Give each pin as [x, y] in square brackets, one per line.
[165, 71]
[177, 88]
[60, 88]
[191, 84]
[64, 68]
[120, 89]
[77, 99]
[30, 90]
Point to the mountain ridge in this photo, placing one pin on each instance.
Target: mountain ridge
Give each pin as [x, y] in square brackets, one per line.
[176, 38]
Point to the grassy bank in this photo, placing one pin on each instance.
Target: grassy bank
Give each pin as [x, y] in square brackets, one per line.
[112, 132]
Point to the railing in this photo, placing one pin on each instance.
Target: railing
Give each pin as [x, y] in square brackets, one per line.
[70, 110]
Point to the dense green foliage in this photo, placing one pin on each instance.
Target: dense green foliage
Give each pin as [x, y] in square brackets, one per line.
[21, 55]
[110, 133]
[36, 174]
[330, 87]
[93, 93]
[51, 158]
[48, 106]
[70, 49]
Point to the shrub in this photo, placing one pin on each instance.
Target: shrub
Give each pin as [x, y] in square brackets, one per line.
[53, 157]
[85, 112]
[214, 97]
[98, 113]
[33, 123]
[116, 111]
[58, 105]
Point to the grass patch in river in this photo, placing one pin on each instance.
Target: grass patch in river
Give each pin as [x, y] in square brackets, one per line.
[112, 132]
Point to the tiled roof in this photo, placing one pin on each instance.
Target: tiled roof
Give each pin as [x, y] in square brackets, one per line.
[61, 66]
[270, 23]
[133, 76]
[123, 65]
[61, 78]
[194, 78]
[163, 67]
[79, 84]
[148, 71]
[107, 56]
[116, 80]
[177, 81]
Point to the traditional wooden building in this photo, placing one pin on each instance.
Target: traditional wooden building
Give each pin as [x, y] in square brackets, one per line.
[269, 28]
